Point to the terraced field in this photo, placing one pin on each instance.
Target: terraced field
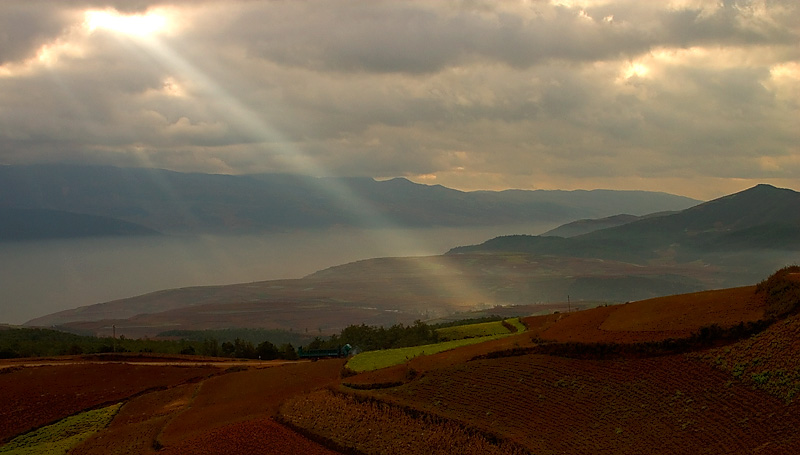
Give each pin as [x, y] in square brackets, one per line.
[659, 319]
[550, 405]
[36, 396]
[502, 396]
[167, 408]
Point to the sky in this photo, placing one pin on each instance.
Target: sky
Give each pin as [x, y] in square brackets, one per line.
[692, 97]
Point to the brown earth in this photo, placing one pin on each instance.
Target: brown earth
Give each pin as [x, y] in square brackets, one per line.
[735, 399]
[659, 319]
[172, 408]
[138, 423]
[35, 396]
[551, 405]
[247, 395]
[769, 360]
[257, 436]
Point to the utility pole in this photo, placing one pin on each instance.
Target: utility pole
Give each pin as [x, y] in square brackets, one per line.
[569, 305]
[114, 337]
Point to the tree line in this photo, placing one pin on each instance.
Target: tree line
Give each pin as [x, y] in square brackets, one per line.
[34, 342]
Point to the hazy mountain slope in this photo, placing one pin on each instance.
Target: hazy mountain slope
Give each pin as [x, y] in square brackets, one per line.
[383, 291]
[580, 227]
[170, 201]
[34, 224]
[757, 218]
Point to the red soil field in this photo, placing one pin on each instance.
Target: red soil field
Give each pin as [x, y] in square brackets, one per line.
[247, 395]
[770, 360]
[138, 423]
[659, 319]
[35, 396]
[553, 405]
[226, 414]
[257, 436]
[177, 409]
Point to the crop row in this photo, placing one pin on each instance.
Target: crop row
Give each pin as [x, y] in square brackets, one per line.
[555, 405]
[769, 360]
[373, 427]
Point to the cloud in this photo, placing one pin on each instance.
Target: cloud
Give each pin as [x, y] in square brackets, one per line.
[660, 95]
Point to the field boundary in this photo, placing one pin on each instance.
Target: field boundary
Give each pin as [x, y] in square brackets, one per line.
[707, 337]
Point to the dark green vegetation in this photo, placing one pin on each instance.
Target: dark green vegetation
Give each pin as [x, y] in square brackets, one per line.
[782, 291]
[176, 202]
[26, 342]
[368, 338]
[255, 336]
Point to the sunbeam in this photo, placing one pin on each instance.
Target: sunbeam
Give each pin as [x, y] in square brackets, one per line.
[146, 34]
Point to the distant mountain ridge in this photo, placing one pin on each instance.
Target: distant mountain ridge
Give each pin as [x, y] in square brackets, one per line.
[762, 217]
[586, 226]
[731, 241]
[167, 201]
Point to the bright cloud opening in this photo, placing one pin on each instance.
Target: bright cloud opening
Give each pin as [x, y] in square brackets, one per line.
[136, 24]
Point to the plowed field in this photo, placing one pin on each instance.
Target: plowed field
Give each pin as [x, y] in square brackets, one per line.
[669, 405]
[259, 436]
[769, 360]
[246, 395]
[659, 319]
[35, 396]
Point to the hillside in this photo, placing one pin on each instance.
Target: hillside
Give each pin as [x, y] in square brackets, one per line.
[179, 202]
[683, 374]
[757, 229]
[709, 246]
[385, 291]
[559, 388]
[580, 227]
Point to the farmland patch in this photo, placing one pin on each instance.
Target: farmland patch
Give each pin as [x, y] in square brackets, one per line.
[63, 435]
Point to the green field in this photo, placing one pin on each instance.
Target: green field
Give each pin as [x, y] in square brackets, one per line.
[478, 330]
[375, 360]
[60, 437]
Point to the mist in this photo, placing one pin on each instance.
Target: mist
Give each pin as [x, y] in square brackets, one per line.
[43, 277]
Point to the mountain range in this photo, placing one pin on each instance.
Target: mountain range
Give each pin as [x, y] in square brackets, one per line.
[760, 218]
[732, 241]
[147, 200]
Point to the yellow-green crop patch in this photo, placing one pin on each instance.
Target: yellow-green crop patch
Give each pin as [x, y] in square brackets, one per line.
[460, 332]
[478, 330]
[60, 437]
[374, 360]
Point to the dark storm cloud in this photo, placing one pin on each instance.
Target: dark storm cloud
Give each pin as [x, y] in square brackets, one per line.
[421, 37]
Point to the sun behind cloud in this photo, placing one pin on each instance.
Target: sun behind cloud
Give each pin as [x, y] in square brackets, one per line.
[142, 25]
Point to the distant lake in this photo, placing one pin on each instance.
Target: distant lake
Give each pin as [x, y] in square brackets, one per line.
[39, 278]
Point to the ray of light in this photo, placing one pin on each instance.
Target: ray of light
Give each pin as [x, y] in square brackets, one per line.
[142, 32]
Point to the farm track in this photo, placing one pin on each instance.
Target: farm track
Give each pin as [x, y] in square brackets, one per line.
[670, 405]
